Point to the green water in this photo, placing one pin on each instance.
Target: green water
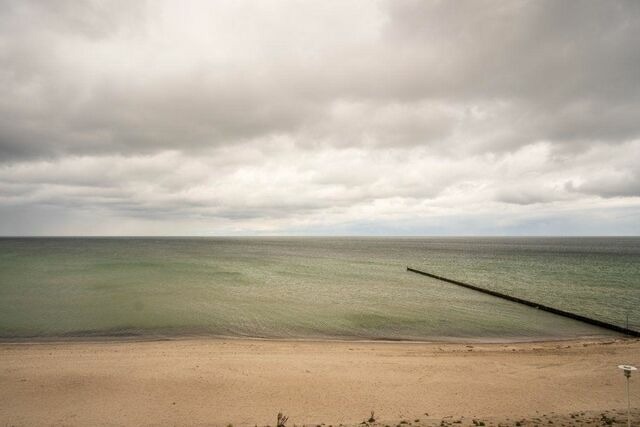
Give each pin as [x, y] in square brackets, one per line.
[350, 288]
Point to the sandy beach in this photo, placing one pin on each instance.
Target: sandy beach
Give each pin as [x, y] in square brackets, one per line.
[246, 382]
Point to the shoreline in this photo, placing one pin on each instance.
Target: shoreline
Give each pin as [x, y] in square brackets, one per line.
[128, 338]
[225, 340]
[247, 381]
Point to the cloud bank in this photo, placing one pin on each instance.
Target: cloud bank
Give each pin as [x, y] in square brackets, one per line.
[347, 117]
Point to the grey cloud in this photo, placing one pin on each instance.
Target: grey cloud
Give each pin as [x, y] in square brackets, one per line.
[307, 114]
[91, 18]
[545, 50]
[523, 196]
[618, 184]
[566, 70]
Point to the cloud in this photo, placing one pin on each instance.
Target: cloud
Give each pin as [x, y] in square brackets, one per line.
[306, 116]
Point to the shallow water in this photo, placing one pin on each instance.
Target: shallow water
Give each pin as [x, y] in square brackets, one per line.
[315, 288]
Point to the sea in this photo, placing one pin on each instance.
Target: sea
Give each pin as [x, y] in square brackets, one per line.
[315, 288]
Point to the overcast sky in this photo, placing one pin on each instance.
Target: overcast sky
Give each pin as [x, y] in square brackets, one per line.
[320, 117]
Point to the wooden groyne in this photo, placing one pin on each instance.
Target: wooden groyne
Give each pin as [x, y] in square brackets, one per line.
[559, 312]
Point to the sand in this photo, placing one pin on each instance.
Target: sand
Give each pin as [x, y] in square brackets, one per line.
[246, 382]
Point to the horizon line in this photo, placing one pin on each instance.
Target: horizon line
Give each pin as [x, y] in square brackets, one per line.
[323, 236]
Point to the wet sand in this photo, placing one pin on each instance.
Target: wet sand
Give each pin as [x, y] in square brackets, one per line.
[246, 382]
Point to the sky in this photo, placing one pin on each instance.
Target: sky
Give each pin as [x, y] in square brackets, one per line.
[324, 117]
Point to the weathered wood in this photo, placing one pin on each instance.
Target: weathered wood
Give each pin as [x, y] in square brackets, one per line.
[559, 312]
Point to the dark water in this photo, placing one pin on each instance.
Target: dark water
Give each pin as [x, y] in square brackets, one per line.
[349, 288]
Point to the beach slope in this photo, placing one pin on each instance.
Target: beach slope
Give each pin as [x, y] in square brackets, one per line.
[246, 382]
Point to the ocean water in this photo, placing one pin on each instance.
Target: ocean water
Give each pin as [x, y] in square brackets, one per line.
[314, 288]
